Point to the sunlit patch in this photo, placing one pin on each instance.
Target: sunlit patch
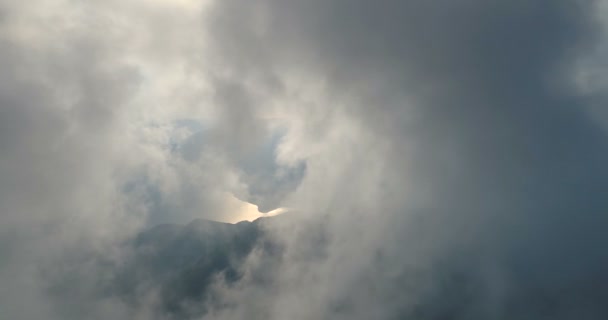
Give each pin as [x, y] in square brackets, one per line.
[249, 212]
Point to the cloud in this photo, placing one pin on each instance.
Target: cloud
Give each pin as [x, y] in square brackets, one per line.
[446, 158]
[454, 146]
[91, 99]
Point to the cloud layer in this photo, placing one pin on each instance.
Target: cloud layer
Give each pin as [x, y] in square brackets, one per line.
[443, 159]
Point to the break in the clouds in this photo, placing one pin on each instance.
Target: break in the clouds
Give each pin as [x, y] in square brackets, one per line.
[439, 159]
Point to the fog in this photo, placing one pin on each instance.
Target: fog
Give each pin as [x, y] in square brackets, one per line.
[430, 159]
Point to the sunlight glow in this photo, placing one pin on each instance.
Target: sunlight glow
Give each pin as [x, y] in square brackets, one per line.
[250, 212]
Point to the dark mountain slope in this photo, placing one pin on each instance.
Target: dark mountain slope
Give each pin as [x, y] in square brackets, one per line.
[180, 262]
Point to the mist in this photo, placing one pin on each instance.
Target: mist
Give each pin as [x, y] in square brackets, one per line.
[430, 159]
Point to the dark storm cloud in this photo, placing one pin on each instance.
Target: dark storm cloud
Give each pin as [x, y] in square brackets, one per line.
[475, 99]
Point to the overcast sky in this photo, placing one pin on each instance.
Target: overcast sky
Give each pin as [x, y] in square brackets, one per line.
[430, 142]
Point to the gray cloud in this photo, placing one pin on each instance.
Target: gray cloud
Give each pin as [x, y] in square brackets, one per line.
[467, 155]
[447, 158]
[86, 159]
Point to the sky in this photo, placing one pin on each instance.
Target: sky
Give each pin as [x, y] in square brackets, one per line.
[451, 155]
